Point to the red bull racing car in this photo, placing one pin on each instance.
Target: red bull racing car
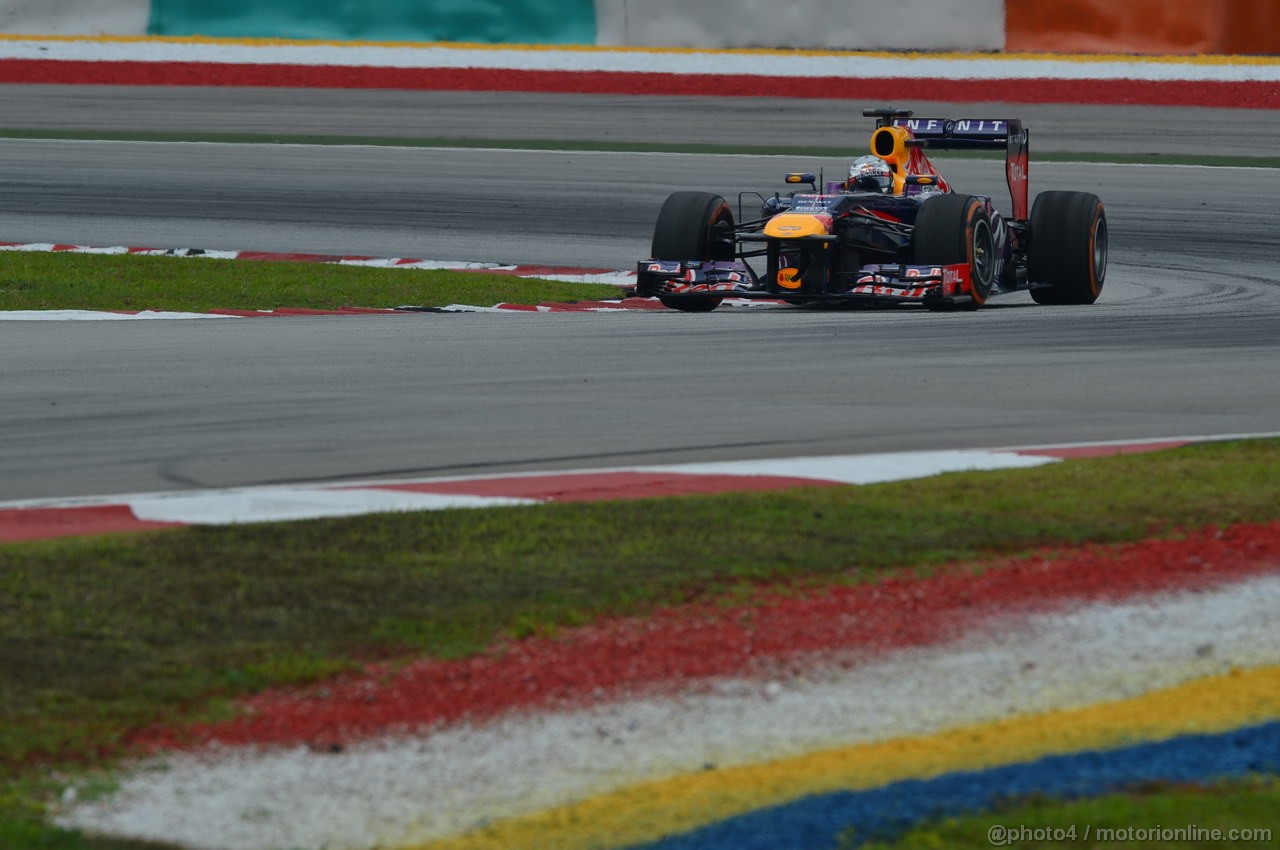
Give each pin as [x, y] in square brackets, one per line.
[893, 232]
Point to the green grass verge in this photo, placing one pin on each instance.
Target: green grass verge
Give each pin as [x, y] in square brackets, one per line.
[105, 633]
[622, 146]
[66, 281]
[1230, 806]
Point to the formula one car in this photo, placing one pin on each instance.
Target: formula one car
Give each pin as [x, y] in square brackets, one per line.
[894, 232]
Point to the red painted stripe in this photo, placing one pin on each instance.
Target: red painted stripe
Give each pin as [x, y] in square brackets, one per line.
[680, 645]
[271, 257]
[45, 523]
[1241, 95]
[599, 486]
[1071, 452]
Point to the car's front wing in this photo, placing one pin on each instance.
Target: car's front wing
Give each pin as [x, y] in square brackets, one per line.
[872, 283]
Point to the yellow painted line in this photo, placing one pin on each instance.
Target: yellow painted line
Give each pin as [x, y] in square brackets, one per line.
[1213, 60]
[646, 812]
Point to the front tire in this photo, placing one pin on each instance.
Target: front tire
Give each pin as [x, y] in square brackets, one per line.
[693, 226]
[956, 229]
[1068, 251]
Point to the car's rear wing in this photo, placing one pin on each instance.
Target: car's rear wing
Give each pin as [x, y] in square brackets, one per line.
[970, 134]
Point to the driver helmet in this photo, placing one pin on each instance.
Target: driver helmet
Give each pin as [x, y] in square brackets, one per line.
[870, 174]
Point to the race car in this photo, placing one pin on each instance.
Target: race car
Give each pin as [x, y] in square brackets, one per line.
[894, 232]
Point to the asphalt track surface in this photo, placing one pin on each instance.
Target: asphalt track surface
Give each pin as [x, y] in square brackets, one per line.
[1183, 341]
[811, 121]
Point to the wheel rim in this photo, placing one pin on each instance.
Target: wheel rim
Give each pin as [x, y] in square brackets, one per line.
[1100, 249]
[983, 257]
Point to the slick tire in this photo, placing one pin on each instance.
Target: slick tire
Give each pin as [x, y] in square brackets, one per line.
[1067, 256]
[693, 226]
[952, 229]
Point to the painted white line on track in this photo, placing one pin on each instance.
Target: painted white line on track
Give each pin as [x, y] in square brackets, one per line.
[276, 504]
[865, 469]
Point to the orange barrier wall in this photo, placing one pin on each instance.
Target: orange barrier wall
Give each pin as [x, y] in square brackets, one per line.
[1143, 26]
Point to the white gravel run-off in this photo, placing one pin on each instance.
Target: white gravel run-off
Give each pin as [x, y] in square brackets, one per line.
[391, 792]
[771, 64]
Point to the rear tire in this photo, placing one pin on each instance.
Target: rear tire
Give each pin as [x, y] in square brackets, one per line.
[1068, 250]
[693, 226]
[955, 229]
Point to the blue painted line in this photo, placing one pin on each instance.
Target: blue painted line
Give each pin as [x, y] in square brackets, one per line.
[853, 818]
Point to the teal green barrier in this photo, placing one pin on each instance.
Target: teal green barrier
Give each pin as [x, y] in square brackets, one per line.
[494, 21]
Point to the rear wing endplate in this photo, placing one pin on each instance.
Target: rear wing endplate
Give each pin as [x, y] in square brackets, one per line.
[972, 134]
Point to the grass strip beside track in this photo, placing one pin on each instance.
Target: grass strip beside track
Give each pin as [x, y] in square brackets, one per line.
[106, 634]
[70, 281]
[607, 146]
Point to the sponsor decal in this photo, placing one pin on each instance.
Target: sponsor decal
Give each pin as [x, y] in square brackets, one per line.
[892, 291]
[789, 278]
[955, 280]
[797, 225]
[673, 288]
[811, 203]
[964, 126]
[664, 268]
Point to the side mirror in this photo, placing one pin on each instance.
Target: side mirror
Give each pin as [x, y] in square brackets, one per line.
[803, 177]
